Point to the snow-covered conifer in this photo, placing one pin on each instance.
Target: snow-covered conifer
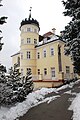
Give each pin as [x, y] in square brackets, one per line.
[71, 34]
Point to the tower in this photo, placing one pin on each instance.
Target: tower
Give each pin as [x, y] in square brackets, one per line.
[29, 38]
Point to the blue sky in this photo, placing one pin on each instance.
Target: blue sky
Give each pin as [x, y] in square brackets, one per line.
[47, 12]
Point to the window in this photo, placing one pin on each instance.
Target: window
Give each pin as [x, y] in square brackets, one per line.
[53, 72]
[44, 53]
[28, 55]
[18, 61]
[28, 29]
[21, 71]
[68, 69]
[35, 30]
[38, 71]
[28, 40]
[38, 55]
[52, 51]
[35, 41]
[21, 55]
[22, 41]
[28, 69]
[45, 71]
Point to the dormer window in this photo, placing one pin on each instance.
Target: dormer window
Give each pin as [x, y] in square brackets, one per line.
[45, 40]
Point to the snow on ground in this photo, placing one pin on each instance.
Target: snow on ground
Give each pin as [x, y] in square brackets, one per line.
[68, 92]
[33, 99]
[75, 106]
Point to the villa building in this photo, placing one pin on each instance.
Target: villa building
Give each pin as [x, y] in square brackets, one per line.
[43, 55]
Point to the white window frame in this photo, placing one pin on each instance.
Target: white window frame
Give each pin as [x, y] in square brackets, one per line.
[68, 69]
[28, 54]
[28, 40]
[35, 41]
[28, 69]
[44, 53]
[38, 55]
[38, 71]
[45, 71]
[52, 72]
[28, 29]
[52, 51]
[35, 30]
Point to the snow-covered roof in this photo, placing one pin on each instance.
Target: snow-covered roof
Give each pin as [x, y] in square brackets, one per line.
[48, 40]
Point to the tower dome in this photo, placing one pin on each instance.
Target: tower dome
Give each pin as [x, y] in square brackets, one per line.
[30, 20]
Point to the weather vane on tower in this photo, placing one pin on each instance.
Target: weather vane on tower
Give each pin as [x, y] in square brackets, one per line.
[30, 12]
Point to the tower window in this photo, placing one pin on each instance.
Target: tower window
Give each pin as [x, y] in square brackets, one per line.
[22, 41]
[45, 71]
[28, 29]
[52, 51]
[28, 40]
[35, 30]
[28, 55]
[35, 41]
[38, 55]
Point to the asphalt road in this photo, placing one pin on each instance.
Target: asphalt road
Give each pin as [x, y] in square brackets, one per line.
[56, 109]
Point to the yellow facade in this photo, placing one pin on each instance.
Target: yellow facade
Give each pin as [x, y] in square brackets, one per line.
[46, 59]
[52, 61]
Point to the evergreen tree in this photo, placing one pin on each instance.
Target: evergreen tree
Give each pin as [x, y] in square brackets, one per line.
[28, 83]
[71, 34]
[2, 21]
[14, 87]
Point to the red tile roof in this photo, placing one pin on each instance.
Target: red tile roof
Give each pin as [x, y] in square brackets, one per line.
[47, 34]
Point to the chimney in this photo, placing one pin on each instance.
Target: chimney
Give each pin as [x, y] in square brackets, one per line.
[53, 31]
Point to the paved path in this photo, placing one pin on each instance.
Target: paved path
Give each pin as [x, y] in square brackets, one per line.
[55, 110]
